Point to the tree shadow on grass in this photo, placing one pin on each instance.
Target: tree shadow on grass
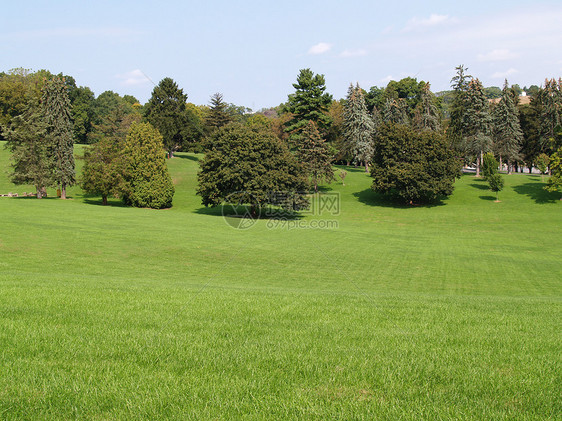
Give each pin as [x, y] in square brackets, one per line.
[97, 201]
[535, 190]
[372, 198]
[242, 211]
[480, 186]
[487, 197]
[190, 157]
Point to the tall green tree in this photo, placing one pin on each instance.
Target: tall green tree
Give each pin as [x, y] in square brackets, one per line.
[82, 100]
[551, 115]
[315, 156]
[250, 165]
[415, 167]
[457, 129]
[218, 115]
[427, 115]
[309, 102]
[359, 128]
[32, 161]
[146, 180]
[56, 109]
[478, 123]
[508, 136]
[395, 111]
[166, 111]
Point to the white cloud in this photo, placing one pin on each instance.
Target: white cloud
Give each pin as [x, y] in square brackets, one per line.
[503, 75]
[433, 20]
[354, 53]
[387, 79]
[320, 48]
[133, 78]
[497, 55]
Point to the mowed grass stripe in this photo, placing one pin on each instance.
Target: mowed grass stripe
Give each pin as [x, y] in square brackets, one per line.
[449, 311]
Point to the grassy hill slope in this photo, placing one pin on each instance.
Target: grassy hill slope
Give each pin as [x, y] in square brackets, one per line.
[418, 312]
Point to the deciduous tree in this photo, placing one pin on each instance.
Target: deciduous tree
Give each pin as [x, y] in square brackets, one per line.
[146, 180]
[315, 156]
[413, 166]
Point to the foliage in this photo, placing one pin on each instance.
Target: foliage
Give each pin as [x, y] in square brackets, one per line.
[82, 100]
[542, 162]
[32, 161]
[478, 123]
[146, 180]
[555, 180]
[166, 111]
[102, 173]
[218, 115]
[427, 115]
[489, 165]
[551, 115]
[309, 102]
[56, 110]
[529, 118]
[457, 129]
[314, 156]
[249, 165]
[395, 111]
[508, 136]
[413, 166]
[359, 128]
[495, 181]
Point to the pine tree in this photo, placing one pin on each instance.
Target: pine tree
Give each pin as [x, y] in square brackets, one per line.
[478, 123]
[551, 115]
[395, 111]
[56, 109]
[32, 161]
[217, 116]
[508, 136]
[427, 115]
[456, 131]
[166, 111]
[314, 155]
[359, 128]
[310, 102]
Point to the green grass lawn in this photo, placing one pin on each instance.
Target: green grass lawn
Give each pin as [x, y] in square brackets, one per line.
[448, 311]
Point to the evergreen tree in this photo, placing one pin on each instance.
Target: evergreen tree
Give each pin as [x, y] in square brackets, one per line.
[146, 180]
[456, 131]
[551, 116]
[313, 153]
[508, 136]
[56, 111]
[358, 127]
[395, 111]
[308, 103]
[218, 115]
[427, 115]
[32, 161]
[478, 123]
[166, 111]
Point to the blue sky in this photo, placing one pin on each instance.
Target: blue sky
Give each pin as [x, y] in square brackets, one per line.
[251, 51]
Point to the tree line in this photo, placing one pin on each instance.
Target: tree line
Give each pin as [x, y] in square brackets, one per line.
[411, 141]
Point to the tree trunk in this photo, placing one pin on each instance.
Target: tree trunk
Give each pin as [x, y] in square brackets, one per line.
[104, 200]
[347, 163]
[501, 163]
[530, 169]
[508, 167]
[39, 192]
[478, 161]
[366, 167]
[63, 190]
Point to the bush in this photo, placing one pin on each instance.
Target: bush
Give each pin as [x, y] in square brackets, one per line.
[489, 165]
[146, 180]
